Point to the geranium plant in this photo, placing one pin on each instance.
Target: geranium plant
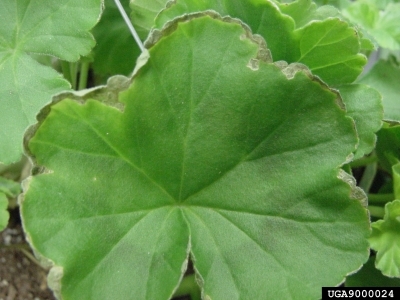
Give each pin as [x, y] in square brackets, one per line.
[232, 157]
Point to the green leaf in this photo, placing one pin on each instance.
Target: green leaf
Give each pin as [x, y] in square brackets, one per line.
[4, 215]
[388, 146]
[305, 11]
[329, 48]
[213, 156]
[26, 87]
[9, 187]
[385, 239]
[116, 51]
[382, 23]
[396, 180]
[263, 17]
[57, 28]
[364, 105]
[336, 3]
[144, 13]
[369, 276]
[385, 78]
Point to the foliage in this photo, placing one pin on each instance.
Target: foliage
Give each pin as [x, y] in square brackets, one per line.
[231, 146]
[385, 239]
[384, 76]
[39, 27]
[379, 19]
[4, 215]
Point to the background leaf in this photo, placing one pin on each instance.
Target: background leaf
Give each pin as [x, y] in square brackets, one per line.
[396, 180]
[329, 48]
[364, 105]
[385, 77]
[55, 28]
[217, 161]
[370, 276]
[385, 239]
[381, 19]
[305, 11]
[9, 187]
[388, 146]
[263, 17]
[116, 51]
[144, 13]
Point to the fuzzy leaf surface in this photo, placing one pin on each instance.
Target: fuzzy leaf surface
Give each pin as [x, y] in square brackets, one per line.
[364, 105]
[56, 28]
[385, 238]
[385, 77]
[214, 157]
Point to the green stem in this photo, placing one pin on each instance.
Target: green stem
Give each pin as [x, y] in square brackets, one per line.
[83, 75]
[74, 72]
[368, 177]
[363, 161]
[69, 71]
[376, 211]
[380, 198]
[188, 286]
[66, 70]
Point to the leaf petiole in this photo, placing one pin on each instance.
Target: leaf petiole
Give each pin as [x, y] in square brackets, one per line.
[368, 177]
[380, 198]
[69, 71]
[66, 70]
[376, 211]
[83, 74]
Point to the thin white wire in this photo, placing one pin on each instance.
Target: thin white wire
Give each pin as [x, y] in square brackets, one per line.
[130, 26]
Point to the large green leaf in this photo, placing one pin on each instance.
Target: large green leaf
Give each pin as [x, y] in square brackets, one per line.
[4, 215]
[57, 28]
[385, 239]
[364, 105]
[385, 77]
[218, 154]
[329, 47]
